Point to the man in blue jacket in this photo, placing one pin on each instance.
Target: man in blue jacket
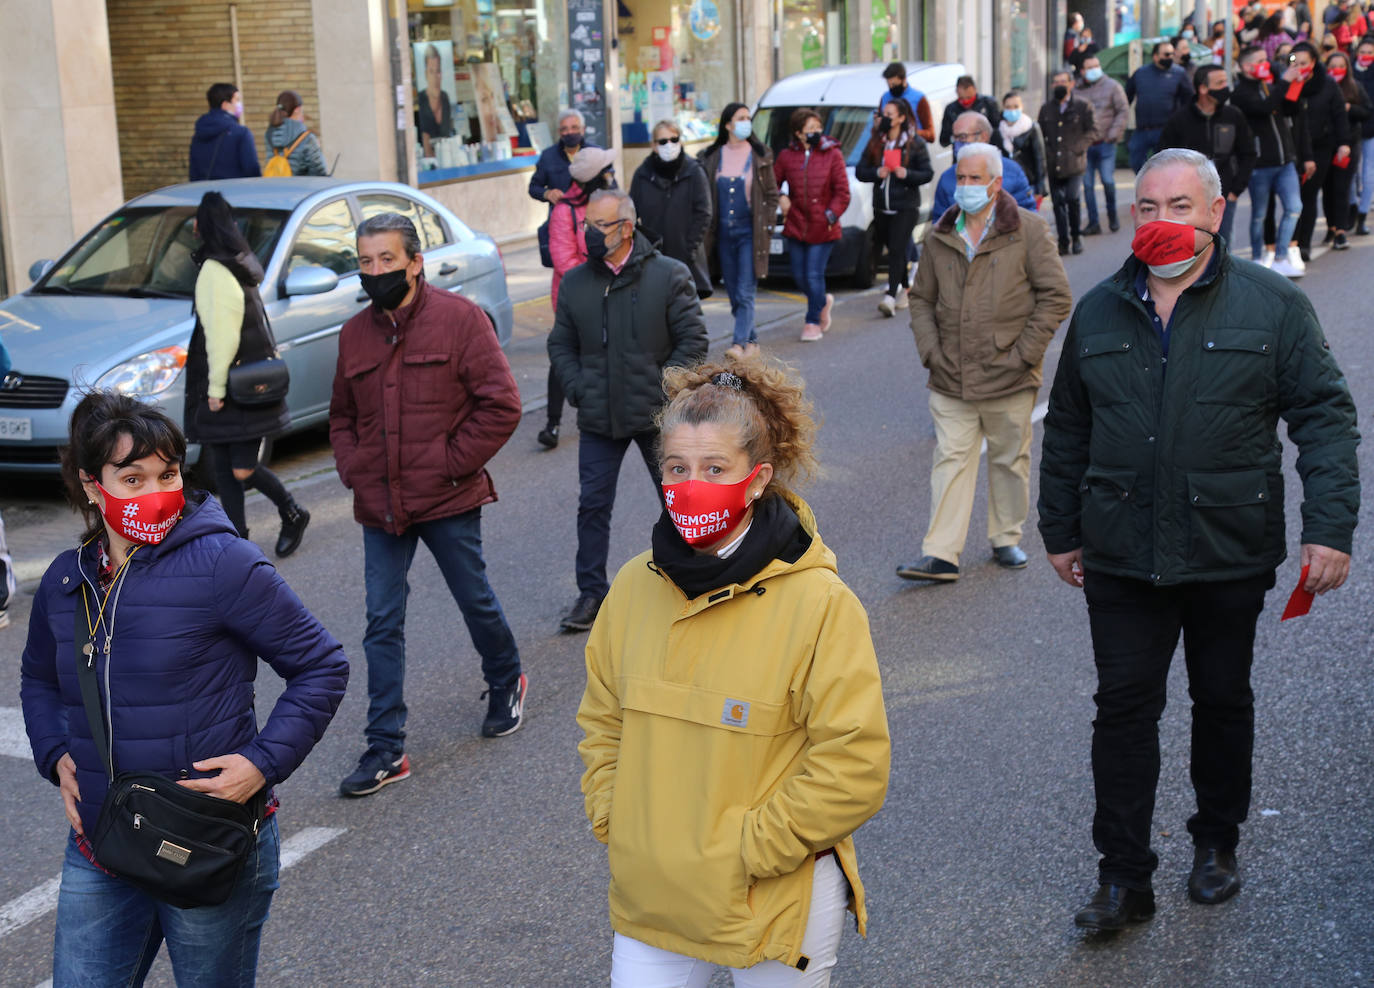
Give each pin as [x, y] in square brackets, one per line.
[222, 146]
[972, 128]
[1159, 90]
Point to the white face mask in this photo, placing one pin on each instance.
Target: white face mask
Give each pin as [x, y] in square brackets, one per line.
[669, 151]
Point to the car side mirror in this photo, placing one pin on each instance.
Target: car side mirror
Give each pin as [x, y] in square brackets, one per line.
[310, 280]
[38, 269]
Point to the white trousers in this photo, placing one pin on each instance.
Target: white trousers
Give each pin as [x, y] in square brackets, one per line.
[637, 965]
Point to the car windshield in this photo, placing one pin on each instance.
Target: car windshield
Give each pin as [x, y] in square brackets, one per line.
[847, 124]
[147, 253]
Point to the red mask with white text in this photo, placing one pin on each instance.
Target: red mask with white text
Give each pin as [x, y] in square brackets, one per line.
[1364, 61]
[1336, 72]
[146, 518]
[706, 513]
[1262, 71]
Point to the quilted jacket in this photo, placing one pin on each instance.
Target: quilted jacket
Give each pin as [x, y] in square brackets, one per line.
[189, 621]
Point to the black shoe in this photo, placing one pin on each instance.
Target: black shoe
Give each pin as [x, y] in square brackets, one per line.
[1305, 253]
[583, 613]
[548, 437]
[505, 708]
[1092, 230]
[1077, 247]
[1113, 223]
[1009, 556]
[1362, 227]
[1340, 243]
[929, 568]
[1063, 250]
[1330, 236]
[294, 519]
[375, 769]
[1214, 877]
[1113, 906]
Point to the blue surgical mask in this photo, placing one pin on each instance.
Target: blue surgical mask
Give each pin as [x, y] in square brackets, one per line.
[1011, 116]
[1093, 74]
[971, 198]
[742, 129]
[956, 147]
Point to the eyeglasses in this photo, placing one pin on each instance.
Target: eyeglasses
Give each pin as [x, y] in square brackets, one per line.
[662, 141]
[969, 138]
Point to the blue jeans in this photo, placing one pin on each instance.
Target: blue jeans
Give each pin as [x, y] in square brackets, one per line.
[1102, 165]
[1366, 174]
[808, 271]
[109, 932]
[1228, 217]
[598, 469]
[735, 244]
[456, 544]
[1282, 180]
[1141, 145]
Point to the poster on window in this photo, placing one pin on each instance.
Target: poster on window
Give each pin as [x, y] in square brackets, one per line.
[493, 116]
[436, 98]
[586, 39]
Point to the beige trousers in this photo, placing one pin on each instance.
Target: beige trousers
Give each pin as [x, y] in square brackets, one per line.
[960, 428]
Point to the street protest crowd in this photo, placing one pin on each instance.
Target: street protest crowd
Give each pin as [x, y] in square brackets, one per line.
[728, 793]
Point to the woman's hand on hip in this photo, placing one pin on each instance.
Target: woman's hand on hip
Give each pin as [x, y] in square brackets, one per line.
[238, 778]
[215, 403]
[71, 795]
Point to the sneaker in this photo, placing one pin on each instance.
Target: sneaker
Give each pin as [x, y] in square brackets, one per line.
[1296, 260]
[1340, 242]
[811, 333]
[1267, 258]
[1289, 265]
[548, 436]
[825, 312]
[505, 708]
[903, 298]
[929, 568]
[582, 615]
[375, 769]
[887, 306]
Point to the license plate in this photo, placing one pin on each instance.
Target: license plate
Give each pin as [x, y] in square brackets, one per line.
[16, 428]
[775, 245]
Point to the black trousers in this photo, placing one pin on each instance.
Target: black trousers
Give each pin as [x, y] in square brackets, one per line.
[1307, 222]
[1336, 205]
[1135, 630]
[893, 231]
[555, 393]
[1066, 194]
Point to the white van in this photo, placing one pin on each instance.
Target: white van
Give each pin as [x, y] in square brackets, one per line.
[846, 97]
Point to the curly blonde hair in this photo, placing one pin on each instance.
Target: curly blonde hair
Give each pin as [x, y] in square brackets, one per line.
[769, 407]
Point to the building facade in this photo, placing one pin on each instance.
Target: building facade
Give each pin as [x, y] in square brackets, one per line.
[98, 98]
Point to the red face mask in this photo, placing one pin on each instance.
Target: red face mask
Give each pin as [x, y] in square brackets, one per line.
[1167, 247]
[1305, 73]
[1336, 72]
[966, 103]
[1263, 71]
[706, 513]
[146, 518]
[1364, 61]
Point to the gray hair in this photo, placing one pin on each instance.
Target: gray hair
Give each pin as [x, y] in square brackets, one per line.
[1065, 70]
[625, 206]
[392, 223]
[1206, 171]
[571, 114]
[990, 155]
[982, 121]
[666, 124]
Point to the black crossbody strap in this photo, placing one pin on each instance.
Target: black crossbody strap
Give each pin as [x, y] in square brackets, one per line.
[90, 689]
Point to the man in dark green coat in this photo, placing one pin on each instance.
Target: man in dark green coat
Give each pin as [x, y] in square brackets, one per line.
[1161, 495]
[622, 317]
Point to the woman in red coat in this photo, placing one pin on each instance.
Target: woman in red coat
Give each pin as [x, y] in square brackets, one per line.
[812, 170]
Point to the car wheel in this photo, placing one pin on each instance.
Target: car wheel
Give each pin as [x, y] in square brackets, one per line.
[864, 262]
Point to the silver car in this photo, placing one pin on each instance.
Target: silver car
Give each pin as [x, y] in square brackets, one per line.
[115, 310]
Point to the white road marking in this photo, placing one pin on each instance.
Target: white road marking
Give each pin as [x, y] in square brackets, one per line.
[42, 899]
[14, 740]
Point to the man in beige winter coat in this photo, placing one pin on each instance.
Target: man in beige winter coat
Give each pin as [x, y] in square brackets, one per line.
[990, 292]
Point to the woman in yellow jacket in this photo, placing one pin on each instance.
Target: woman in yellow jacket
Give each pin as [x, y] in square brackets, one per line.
[734, 721]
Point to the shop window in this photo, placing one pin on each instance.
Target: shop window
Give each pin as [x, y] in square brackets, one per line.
[427, 223]
[489, 78]
[327, 240]
[679, 63]
[813, 34]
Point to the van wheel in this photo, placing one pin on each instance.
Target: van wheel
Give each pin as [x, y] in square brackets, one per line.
[864, 262]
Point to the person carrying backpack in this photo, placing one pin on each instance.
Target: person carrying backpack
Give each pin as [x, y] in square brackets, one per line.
[291, 148]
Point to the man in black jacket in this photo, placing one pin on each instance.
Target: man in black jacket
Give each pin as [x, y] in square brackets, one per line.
[1260, 98]
[622, 317]
[1067, 123]
[968, 99]
[1211, 128]
[1322, 122]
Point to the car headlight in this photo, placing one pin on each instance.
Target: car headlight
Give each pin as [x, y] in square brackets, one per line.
[147, 374]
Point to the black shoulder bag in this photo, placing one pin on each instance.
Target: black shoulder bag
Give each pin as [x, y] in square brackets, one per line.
[183, 847]
[258, 375]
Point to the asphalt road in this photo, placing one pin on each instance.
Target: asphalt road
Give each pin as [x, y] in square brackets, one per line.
[481, 869]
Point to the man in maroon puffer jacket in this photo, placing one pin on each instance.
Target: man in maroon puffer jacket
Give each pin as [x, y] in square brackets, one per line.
[423, 398]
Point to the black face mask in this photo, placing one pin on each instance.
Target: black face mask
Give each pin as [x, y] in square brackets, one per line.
[597, 247]
[814, 139]
[883, 124]
[1166, 64]
[571, 140]
[1060, 92]
[1220, 95]
[897, 88]
[387, 290]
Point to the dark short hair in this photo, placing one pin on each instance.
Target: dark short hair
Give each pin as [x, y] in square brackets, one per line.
[1249, 50]
[392, 223]
[99, 420]
[220, 92]
[894, 70]
[1200, 76]
[800, 116]
[1158, 45]
[965, 82]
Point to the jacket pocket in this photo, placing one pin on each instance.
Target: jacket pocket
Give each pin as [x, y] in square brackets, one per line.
[1108, 366]
[1108, 513]
[1237, 367]
[1227, 520]
[428, 378]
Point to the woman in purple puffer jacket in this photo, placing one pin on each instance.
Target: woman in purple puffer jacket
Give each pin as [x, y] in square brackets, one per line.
[179, 608]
